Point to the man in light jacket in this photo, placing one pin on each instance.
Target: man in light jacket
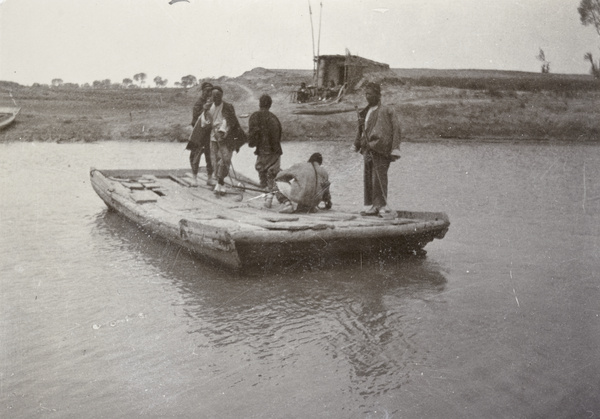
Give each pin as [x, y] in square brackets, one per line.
[226, 135]
[378, 140]
[199, 142]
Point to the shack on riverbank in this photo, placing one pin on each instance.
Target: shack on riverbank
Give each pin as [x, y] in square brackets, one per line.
[345, 70]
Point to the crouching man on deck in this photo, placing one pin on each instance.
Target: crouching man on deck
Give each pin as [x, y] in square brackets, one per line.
[304, 185]
[226, 135]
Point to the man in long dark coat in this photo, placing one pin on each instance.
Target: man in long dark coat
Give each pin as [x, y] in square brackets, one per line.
[265, 134]
[199, 142]
[378, 140]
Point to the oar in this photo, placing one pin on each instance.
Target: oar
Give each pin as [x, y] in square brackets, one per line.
[240, 185]
[249, 189]
[259, 196]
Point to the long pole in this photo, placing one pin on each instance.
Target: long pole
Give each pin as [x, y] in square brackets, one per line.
[319, 43]
[312, 32]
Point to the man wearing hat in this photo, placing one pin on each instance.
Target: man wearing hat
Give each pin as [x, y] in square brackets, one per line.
[378, 140]
[226, 135]
[199, 142]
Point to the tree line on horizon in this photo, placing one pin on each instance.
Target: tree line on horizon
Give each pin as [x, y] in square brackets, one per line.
[126, 83]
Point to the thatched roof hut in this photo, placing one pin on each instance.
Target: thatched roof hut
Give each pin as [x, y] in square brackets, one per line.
[345, 69]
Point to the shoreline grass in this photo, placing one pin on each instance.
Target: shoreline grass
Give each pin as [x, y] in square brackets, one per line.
[434, 105]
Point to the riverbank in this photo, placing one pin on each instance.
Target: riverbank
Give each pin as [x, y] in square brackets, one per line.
[432, 104]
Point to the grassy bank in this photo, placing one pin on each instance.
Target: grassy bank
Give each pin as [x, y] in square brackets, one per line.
[433, 105]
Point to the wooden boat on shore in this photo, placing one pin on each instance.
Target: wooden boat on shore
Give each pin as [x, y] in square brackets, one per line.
[8, 115]
[236, 230]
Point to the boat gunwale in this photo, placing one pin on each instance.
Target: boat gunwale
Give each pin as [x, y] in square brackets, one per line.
[424, 228]
[11, 116]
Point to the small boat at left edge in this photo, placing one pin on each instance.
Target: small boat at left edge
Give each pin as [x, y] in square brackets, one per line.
[8, 116]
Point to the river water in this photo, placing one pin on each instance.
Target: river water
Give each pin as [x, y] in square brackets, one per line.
[500, 319]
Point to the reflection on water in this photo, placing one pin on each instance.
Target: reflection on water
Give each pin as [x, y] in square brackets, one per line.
[356, 318]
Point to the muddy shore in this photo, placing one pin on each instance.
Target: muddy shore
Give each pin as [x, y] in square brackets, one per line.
[440, 107]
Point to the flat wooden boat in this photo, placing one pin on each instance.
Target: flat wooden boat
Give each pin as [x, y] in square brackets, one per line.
[322, 110]
[238, 231]
[8, 116]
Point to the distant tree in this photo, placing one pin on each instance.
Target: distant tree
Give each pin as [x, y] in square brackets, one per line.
[595, 67]
[545, 64]
[70, 85]
[57, 82]
[189, 80]
[141, 77]
[97, 84]
[177, 84]
[159, 81]
[127, 82]
[106, 83]
[589, 14]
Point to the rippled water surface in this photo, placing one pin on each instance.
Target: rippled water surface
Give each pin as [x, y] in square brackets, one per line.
[501, 319]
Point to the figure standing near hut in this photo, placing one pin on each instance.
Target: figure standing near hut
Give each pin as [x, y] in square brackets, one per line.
[264, 133]
[304, 185]
[199, 142]
[378, 140]
[226, 135]
[332, 91]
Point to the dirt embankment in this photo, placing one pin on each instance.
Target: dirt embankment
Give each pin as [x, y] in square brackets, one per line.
[454, 106]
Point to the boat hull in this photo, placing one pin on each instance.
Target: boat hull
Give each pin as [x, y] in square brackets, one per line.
[8, 116]
[236, 232]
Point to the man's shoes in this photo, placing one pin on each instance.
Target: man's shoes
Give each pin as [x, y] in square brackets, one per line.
[269, 200]
[193, 182]
[219, 190]
[287, 208]
[371, 212]
[386, 213]
[211, 181]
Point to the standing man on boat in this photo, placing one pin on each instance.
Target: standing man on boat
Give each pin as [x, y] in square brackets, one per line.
[199, 142]
[378, 140]
[264, 133]
[226, 135]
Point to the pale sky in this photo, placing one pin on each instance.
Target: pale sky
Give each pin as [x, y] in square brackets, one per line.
[81, 41]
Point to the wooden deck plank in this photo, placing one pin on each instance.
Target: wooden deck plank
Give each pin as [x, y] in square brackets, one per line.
[178, 180]
[144, 196]
[133, 185]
